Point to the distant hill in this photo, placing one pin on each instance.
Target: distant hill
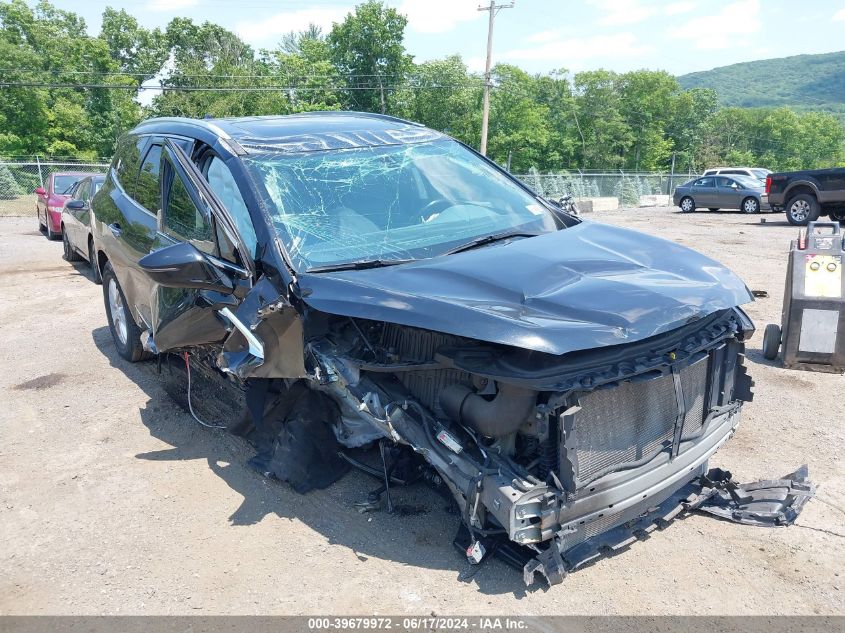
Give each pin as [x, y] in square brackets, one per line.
[803, 82]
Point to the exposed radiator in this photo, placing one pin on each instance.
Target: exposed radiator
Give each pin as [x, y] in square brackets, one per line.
[420, 345]
[630, 423]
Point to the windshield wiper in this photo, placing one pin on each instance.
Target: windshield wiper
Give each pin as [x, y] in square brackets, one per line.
[360, 265]
[489, 239]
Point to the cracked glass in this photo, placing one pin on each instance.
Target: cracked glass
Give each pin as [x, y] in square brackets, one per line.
[389, 203]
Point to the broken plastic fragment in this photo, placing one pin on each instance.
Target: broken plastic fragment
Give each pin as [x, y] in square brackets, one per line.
[767, 503]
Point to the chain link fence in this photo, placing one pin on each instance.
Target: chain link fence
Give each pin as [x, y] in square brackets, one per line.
[626, 186]
[20, 176]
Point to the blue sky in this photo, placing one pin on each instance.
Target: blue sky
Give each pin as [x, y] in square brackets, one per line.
[541, 35]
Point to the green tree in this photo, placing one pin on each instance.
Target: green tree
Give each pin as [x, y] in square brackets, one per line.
[519, 125]
[444, 96]
[368, 49]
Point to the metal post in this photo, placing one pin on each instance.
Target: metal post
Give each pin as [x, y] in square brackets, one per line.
[40, 177]
[672, 175]
[485, 107]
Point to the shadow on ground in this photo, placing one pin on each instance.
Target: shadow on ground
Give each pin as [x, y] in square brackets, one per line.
[419, 538]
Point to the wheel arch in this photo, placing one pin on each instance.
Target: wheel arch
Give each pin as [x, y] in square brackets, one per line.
[803, 186]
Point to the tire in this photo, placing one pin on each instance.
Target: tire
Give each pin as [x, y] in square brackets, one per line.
[750, 205]
[70, 254]
[126, 334]
[838, 216]
[96, 277]
[771, 341]
[802, 209]
[687, 204]
[713, 209]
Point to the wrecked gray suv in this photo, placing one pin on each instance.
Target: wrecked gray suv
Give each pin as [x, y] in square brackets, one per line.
[351, 281]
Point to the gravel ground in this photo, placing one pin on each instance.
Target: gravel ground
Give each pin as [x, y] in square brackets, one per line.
[113, 500]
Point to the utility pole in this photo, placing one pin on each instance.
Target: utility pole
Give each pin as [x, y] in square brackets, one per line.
[485, 108]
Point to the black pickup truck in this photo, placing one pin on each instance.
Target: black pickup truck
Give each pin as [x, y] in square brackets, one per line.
[805, 195]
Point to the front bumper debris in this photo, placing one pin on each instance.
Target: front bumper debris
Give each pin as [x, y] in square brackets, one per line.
[766, 503]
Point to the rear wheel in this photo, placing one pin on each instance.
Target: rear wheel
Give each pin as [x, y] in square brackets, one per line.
[837, 216]
[771, 341]
[751, 205]
[802, 209]
[70, 254]
[687, 204]
[96, 277]
[124, 331]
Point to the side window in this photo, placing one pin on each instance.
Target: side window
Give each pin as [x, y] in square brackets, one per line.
[148, 187]
[703, 182]
[83, 191]
[182, 219]
[724, 182]
[223, 184]
[127, 160]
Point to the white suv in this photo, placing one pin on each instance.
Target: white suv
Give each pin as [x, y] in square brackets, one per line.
[759, 173]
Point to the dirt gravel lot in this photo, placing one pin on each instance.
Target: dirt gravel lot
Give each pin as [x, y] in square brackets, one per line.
[113, 500]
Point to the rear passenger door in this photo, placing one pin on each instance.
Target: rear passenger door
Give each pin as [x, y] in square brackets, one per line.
[127, 226]
[704, 192]
[186, 317]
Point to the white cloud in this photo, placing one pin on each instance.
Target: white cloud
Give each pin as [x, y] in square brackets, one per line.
[617, 12]
[272, 27]
[676, 8]
[839, 16]
[571, 52]
[541, 37]
[721, 29]
[439, 16]
[171, 5]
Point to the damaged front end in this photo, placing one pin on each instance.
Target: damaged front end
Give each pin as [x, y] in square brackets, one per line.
[548, 451]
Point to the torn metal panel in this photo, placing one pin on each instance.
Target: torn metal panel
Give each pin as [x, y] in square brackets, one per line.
[588, 286]
[277, 326]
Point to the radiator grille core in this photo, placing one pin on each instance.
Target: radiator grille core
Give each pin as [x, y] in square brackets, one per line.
[631, 423]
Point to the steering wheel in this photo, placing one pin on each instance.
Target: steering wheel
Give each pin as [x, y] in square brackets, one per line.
[435, 206]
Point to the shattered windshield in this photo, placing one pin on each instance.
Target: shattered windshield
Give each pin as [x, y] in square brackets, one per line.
[390, 203]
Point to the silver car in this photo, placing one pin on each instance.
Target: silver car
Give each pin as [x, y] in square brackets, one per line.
[722, 192]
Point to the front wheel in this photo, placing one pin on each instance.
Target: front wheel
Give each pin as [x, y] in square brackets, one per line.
[687, 204]
[771, 341]
[124, 330]
[837, 216]
[751, 205]
[802, 209]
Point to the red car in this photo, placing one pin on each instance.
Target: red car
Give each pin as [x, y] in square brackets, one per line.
[51, 200]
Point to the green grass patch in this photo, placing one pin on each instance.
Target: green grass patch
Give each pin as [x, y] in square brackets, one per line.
[22, 205]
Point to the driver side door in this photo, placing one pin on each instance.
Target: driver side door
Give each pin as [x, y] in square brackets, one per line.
[183, 316]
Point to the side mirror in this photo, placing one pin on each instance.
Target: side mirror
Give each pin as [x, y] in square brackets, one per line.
[41, 191]
[182, 265]
[75, 204]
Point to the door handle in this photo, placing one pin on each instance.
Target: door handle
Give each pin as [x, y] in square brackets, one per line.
[115, 229]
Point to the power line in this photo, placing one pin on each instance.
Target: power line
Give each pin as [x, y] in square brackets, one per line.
[167, 88]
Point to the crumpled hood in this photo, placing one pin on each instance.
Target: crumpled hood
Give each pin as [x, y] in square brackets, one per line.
[582, 287]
